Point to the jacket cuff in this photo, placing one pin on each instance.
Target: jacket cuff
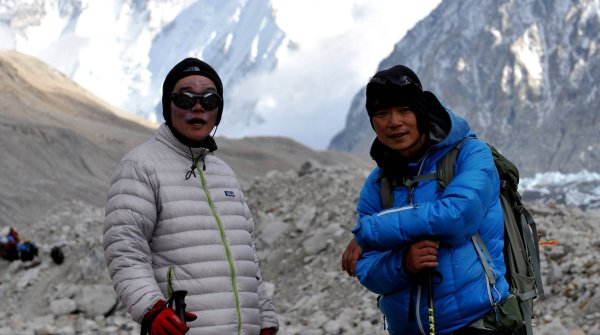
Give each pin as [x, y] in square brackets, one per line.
[361, 234]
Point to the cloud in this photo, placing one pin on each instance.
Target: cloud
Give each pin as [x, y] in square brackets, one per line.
[339, 45]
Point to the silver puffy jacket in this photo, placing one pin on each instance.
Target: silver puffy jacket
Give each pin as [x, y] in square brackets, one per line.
[201, 227]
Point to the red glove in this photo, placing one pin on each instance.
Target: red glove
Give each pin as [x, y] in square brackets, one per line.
[163, 321]
[268, 331]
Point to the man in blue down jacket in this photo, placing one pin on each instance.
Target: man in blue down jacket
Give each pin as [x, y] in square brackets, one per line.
[176, 217]
[423, 241]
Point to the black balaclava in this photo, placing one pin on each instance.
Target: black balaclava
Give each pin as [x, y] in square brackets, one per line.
[395, 87]
[187, 67]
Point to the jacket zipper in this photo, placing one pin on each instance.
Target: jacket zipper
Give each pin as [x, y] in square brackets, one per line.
[399, 209]
[227, 251]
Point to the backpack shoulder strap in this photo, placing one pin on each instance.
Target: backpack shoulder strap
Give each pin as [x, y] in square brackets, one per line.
[444, 174]
[487, 263]
[387, 191]
[387, 186]
[445, 165]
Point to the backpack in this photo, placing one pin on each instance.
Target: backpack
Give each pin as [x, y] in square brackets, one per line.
[521, 248]
[27, 250]
[57, 255]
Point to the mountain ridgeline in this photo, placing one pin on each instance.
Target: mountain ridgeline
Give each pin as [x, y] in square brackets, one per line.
[147, 38]
[523, 72]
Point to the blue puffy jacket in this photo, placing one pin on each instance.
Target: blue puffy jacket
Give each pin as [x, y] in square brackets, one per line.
[469, 204]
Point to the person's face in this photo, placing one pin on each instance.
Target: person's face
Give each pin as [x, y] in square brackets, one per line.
[396, 128]
[194, 123]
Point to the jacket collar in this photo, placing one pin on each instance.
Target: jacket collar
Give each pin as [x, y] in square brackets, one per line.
[166, 136]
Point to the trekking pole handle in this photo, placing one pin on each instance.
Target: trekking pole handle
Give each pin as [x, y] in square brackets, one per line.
[179, 297]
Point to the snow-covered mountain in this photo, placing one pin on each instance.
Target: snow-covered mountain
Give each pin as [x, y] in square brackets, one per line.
[136, 42]
[525, 73]
[278, 58]
[580, 189]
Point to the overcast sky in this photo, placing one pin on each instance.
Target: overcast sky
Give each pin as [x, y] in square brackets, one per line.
[340, 45]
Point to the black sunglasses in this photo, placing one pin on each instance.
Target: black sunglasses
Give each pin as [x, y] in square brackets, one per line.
[398, 81]
[186, 100]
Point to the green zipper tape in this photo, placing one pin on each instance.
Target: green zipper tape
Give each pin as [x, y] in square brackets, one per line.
[227, 251]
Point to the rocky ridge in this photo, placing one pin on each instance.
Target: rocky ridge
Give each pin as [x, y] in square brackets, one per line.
[303, 221]
[524, 73]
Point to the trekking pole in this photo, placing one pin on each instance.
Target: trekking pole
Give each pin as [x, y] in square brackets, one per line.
[430, 309]
[179, 297]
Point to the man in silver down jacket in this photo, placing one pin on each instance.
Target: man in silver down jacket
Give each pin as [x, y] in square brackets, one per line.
[176, 220]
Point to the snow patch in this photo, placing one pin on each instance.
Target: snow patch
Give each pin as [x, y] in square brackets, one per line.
[528, 51]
